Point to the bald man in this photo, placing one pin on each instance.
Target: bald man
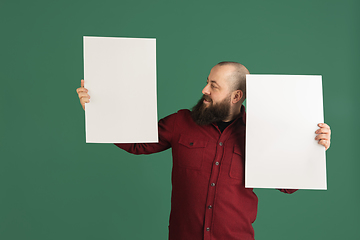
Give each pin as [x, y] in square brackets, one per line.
[209, 199]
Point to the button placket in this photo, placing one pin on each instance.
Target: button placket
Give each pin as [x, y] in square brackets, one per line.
[212, 189]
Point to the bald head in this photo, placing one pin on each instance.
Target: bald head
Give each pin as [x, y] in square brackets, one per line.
[237, 76]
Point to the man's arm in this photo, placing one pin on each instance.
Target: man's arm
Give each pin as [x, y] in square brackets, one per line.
[289, 191]
[165, 129]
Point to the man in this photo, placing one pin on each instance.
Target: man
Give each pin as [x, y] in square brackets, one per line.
[209, 199]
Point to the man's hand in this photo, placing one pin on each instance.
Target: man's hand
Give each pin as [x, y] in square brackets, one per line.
[83, 95]
[323, 135]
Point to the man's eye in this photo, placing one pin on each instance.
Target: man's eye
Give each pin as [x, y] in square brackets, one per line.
[213, 86]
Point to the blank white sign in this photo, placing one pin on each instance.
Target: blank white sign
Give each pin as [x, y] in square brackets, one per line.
[281, 119]
[120, 74]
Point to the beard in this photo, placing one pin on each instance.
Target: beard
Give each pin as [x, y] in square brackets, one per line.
[203, 115]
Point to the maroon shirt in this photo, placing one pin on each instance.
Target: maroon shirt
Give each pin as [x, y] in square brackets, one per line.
[209, 199]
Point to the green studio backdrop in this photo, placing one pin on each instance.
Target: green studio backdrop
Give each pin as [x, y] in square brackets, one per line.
[55, 186]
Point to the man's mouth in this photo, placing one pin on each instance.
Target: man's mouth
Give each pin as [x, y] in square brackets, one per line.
[207, 99]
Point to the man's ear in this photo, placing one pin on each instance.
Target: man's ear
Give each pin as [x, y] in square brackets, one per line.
[236, 96]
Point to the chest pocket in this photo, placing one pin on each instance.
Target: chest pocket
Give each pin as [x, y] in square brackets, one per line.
[190, 152]
[237, 164]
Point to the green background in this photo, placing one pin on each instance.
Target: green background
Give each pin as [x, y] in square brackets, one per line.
[55, 186]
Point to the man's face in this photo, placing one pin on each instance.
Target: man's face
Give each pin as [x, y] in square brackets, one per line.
[217, 86]
[215, 104]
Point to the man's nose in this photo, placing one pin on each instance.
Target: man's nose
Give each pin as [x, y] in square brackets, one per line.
[206, 91]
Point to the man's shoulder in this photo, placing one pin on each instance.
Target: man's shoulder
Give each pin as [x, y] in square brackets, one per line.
[182, 113]
[185, 112]
[179, 119]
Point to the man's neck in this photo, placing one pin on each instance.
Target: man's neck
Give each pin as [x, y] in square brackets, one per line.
[233, 114]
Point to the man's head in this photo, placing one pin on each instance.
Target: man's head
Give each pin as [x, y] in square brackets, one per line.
[223, 94]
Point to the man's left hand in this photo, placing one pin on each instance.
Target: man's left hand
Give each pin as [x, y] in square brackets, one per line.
[323, 135]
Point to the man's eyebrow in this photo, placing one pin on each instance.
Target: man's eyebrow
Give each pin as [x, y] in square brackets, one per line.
[213, 81]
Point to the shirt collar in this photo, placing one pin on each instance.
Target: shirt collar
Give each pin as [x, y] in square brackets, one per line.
[241, 116]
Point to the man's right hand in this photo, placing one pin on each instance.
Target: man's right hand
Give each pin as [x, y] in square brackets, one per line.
[83, 95]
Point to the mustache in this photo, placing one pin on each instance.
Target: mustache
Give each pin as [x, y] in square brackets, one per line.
[207, 98]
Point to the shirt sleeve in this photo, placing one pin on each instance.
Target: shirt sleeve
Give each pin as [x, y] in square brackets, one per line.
[165, 129]
[289, 191]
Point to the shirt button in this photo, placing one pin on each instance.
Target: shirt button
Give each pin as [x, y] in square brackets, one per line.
[191, 144]
[220, 143]
[217, 163]
[213, 184]
[209, 206]
[207, 229]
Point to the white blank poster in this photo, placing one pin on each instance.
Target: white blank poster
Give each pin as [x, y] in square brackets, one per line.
[281, 119]
[120, 74]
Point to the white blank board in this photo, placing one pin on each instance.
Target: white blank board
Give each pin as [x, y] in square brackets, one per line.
[120, 74]
[281, 119]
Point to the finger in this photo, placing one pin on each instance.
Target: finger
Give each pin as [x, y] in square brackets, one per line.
[323, 125]
[323, 130]
[322, 136]
[325, 143]
[82, 83]
[84, 100]
[83, 94]
[81, 90]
